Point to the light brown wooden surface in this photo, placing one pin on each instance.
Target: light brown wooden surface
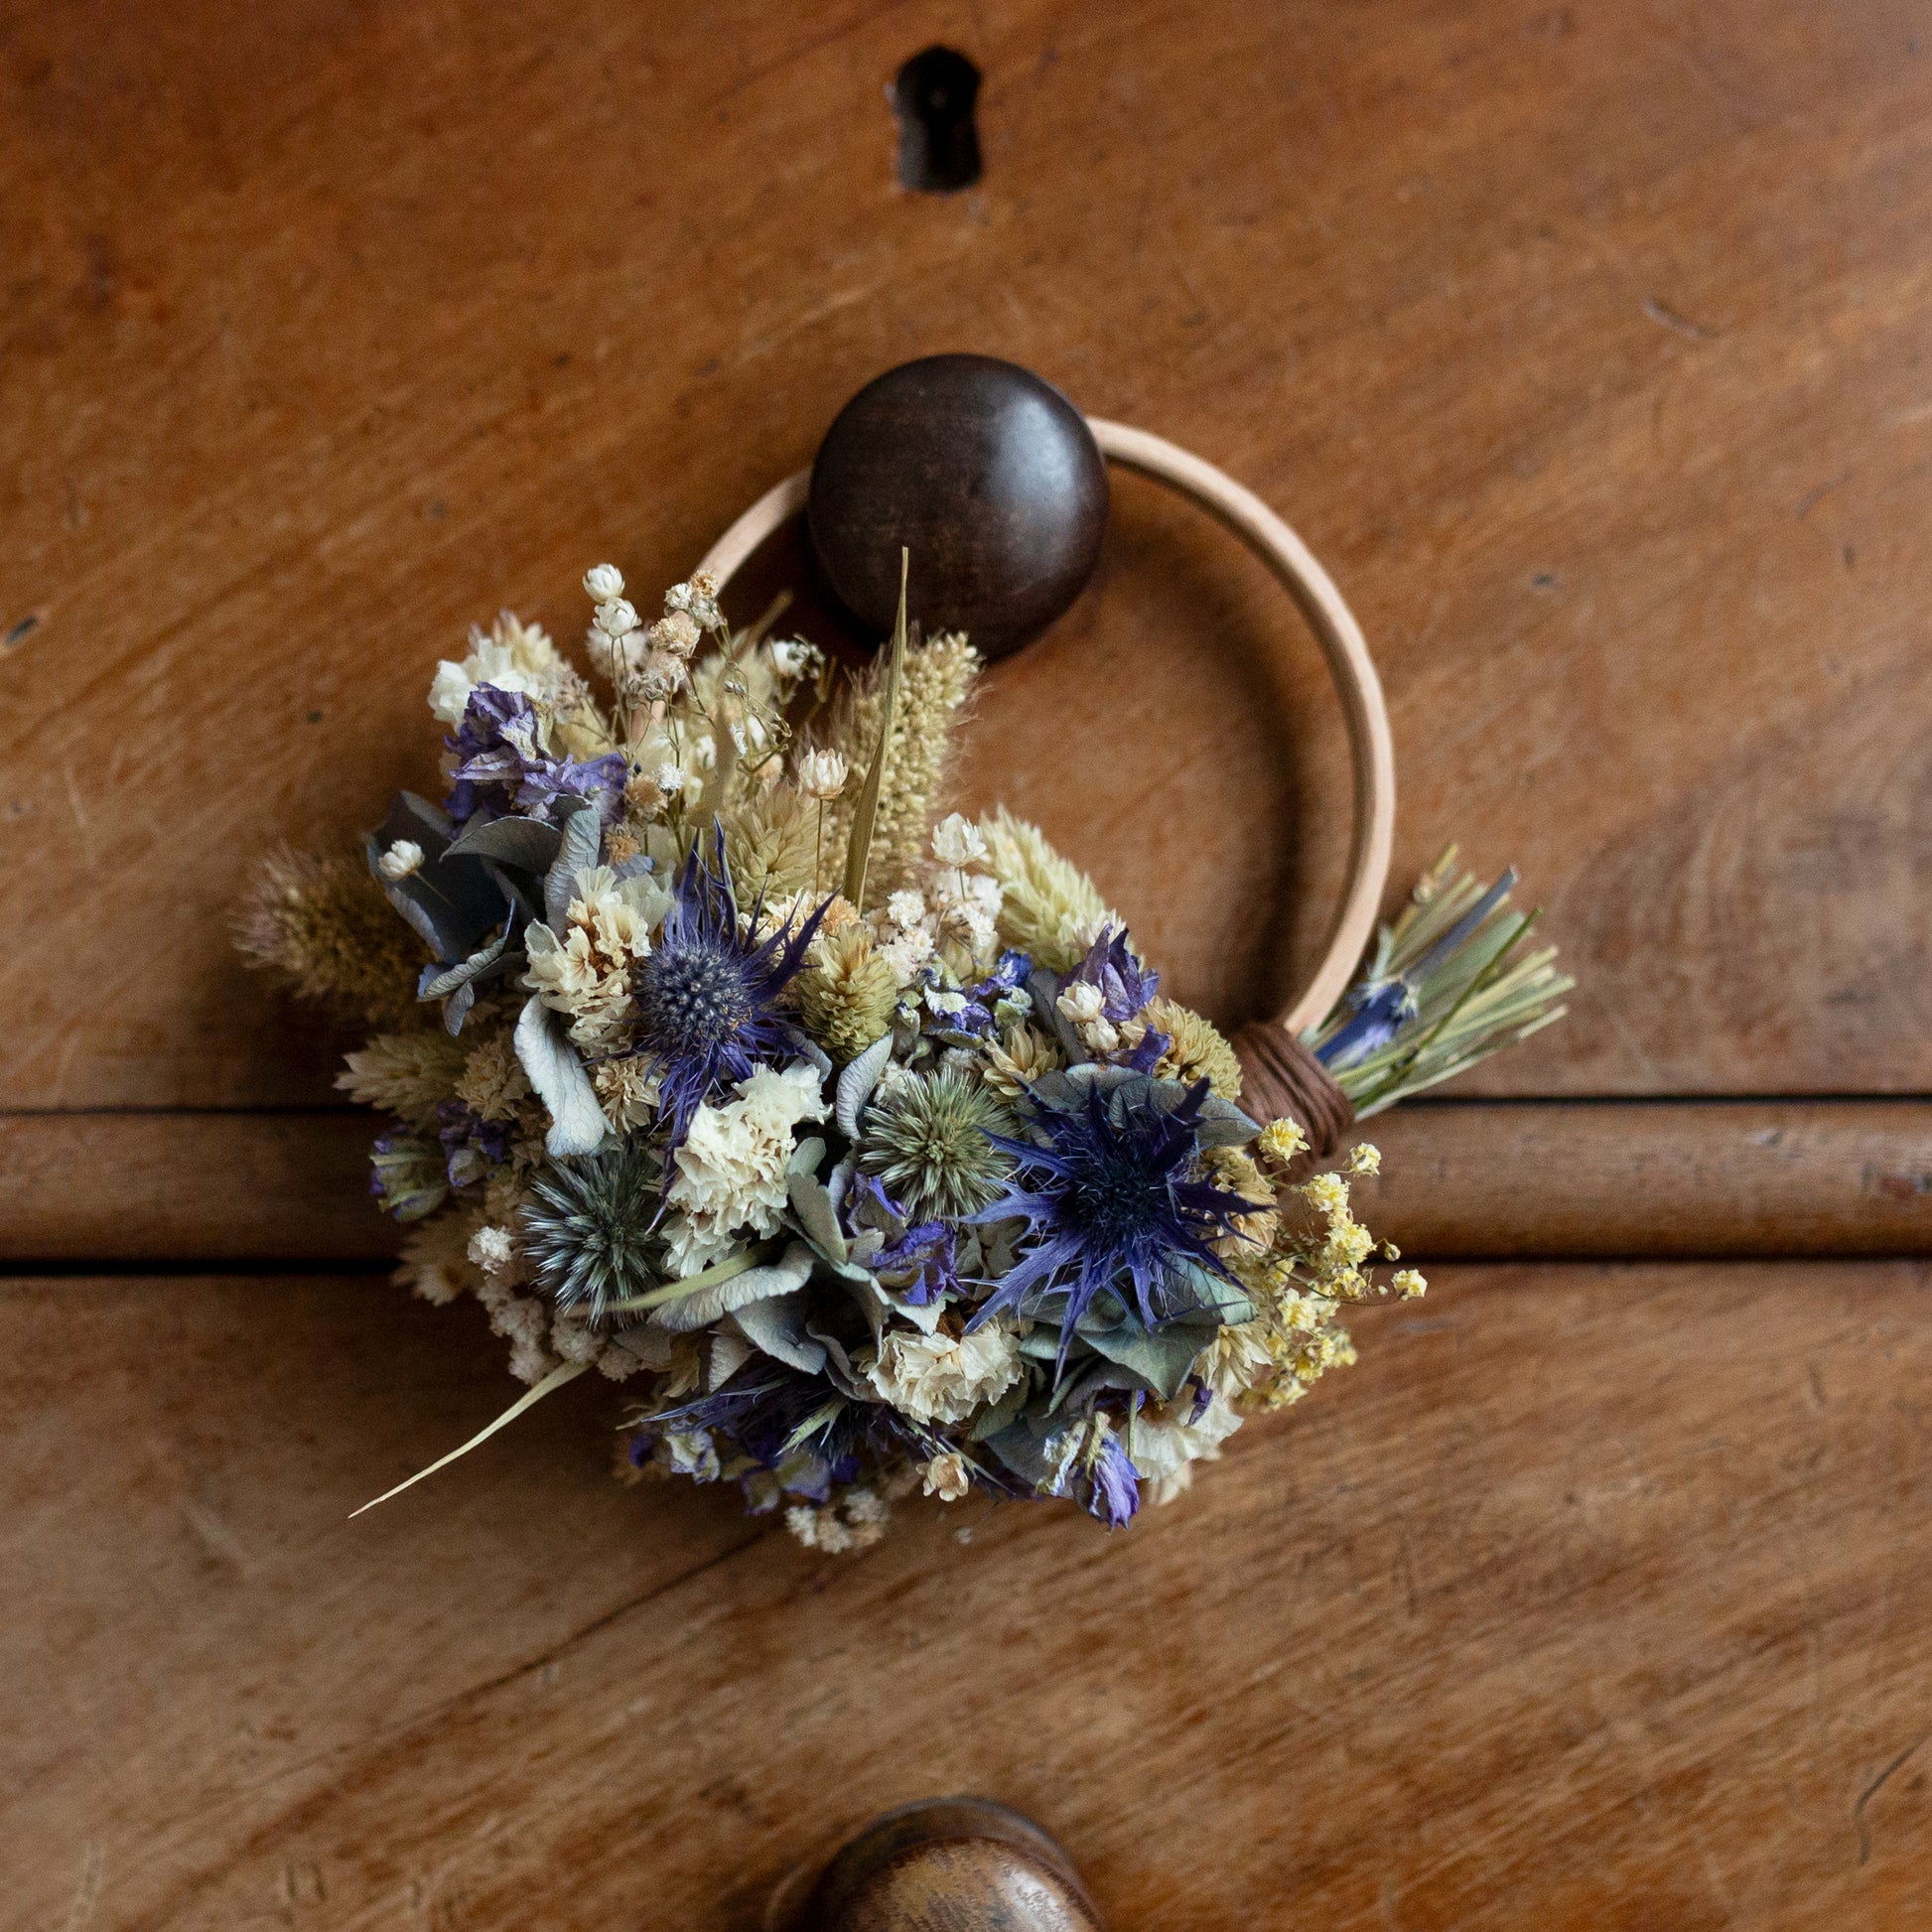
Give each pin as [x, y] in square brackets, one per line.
[1592, 1598]
[1461, 1178]
[1586, 345]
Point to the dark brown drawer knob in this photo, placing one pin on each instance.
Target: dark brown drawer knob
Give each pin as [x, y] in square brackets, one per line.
[954, 1865]
[986, 474]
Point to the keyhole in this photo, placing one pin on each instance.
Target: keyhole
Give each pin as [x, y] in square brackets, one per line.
[939, 145]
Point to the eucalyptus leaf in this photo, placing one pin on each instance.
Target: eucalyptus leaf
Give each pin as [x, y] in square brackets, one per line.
[451, 904]
[811, 1207]
[778, 1326]
[809, 1050]
[806, 1155]
[1161, 1357]
[576, 851]
[856, 1085]
[1005, 1412]
[528, 844]
[576, 1124]
[438, 985]
[692, 1311]
[456, 1008]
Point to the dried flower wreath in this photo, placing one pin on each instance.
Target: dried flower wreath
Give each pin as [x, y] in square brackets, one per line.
[852, 1133]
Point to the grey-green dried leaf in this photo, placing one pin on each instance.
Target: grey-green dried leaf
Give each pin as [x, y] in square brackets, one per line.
[778, 1326]
[857, 1082]
[576, 1124]
[576, 851]
[818, 1221]
[692, 1311]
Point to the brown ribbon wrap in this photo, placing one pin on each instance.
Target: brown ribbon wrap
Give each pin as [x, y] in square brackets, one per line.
[1280, 1077]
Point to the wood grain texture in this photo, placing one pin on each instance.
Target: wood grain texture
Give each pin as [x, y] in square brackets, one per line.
[1461, 1178]
[1448, 1646]
[1586, 345]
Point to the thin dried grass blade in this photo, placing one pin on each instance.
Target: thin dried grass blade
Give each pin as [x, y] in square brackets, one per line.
[858, 850]
[558, 1376]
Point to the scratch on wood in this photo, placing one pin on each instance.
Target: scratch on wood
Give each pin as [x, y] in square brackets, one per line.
[1872, 1791]
[1669, 319]
[1812, 497]
[82, 1907]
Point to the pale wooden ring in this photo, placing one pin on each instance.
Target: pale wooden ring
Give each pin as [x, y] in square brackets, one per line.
[1295, 567]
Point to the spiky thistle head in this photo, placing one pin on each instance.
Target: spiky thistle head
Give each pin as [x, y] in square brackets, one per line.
[1117, 1194]
[590, 1227]
[708, 996]
[931, 1139]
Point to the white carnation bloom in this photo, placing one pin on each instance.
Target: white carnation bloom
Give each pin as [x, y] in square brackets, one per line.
[729, 1185]
[939, 1379]
[1163, 1441]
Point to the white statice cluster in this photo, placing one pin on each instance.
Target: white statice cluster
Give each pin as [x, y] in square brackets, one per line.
[730, 1184]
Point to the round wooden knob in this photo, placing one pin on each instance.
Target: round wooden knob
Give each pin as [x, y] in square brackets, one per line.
[940, 1866]
[986, 474]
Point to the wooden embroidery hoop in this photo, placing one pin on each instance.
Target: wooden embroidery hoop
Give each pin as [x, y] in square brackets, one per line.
[1273, 1060]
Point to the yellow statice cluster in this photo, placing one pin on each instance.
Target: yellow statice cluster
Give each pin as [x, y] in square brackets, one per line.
[1300, 1266]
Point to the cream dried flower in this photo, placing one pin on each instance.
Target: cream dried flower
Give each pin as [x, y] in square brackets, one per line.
[822, 774]
[1050, 907]
[848, 992]
[1018, 1058]
[957, 841]
[1279, 1142]
[492, 1250]
[945, 1477]
[1197, 1049]
[402, 857]
[409, 1074]
[603, 583]
[1165, 1440]
[730, 1169]
[940, 1378]
[514, 656]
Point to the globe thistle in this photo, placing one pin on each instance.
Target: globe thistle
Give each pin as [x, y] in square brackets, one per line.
[707, 1011]
[927, 1140]
[1113, 1186]
[590, 1227]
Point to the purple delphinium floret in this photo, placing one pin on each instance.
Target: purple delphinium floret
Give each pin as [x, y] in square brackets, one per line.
[918, 1263]
[1116, 1484]
[707, 996]
[471, 1146]
[502, 767]
[1109, 1191]
[1378, 1011]
[1126, 986]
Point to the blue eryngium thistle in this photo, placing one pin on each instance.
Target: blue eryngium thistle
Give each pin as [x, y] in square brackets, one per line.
[589, 1229]
[708, 996]
[1109, 1186]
